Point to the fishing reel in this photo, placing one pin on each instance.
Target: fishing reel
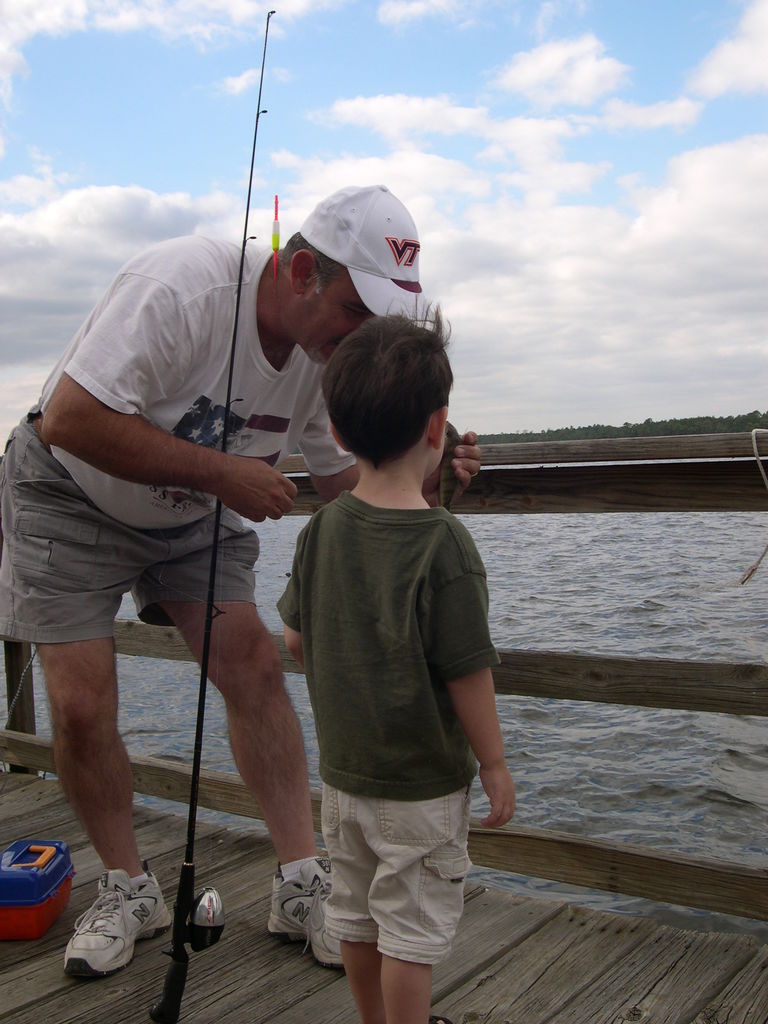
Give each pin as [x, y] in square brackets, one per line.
[201, 928]
[206, 920]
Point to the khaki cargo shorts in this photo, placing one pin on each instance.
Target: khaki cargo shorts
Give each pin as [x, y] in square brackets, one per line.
[66, 564]
[398, 871]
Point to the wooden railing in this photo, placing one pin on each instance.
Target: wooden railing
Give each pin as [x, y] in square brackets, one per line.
[631, 474]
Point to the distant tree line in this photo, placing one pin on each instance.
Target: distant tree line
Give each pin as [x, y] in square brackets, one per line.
[648, 428]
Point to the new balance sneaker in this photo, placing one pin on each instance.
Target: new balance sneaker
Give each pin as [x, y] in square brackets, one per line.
[105, 934]
[298, 910]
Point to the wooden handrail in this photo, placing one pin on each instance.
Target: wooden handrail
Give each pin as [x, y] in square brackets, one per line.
[727, 687]
[605, 450]
[732, 485]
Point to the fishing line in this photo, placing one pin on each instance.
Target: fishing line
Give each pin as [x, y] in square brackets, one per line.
[756, 565]
[199, 921]
[11, 709]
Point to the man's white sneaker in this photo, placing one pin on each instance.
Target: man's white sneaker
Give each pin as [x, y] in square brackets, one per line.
[298, 910]
[325, 949]
[105, 934]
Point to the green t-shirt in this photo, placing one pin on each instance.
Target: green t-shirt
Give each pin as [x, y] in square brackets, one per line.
[391, 604]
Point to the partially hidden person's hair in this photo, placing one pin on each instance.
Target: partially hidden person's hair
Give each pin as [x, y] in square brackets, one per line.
[326, 269]
[385, 380]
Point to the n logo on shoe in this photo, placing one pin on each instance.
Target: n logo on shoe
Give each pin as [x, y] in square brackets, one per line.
[141, 912]
[301, 912]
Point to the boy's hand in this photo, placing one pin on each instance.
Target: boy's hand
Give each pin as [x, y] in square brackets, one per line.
[499, 787]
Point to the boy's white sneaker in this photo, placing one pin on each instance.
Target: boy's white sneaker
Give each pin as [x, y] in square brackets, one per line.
[105, 934]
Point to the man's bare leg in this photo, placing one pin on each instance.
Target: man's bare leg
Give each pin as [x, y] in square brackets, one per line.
[91, 760]
[263, 729]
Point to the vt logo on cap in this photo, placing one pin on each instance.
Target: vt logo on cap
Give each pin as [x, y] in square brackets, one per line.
[404, 250]
[370, 232]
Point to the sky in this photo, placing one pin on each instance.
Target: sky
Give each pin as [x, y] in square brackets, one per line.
[589, 178]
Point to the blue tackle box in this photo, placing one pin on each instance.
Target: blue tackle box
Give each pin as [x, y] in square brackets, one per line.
[35, 882]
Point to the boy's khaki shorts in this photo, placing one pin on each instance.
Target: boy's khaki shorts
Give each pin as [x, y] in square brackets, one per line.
[398, 871]
[66, 564]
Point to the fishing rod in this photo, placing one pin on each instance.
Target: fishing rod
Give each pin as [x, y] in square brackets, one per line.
[199, 920]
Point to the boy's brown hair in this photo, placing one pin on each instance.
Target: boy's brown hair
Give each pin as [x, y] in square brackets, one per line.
[384, 381]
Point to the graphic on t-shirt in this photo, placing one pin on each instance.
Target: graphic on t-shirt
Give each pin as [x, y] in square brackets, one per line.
[203, 423]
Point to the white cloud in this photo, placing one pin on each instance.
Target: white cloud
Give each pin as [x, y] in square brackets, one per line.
[56, 257]
[237, 84]
[571, 72]
[738, 64]
[431, 186]
[30, 190]
[679, 113]
[534, 144]
[397, 116]
[403, 12]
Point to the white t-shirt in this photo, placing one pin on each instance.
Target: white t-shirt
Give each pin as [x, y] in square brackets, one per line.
[158, 345]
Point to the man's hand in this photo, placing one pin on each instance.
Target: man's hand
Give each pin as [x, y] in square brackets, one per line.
[465, 462]
[255, 490]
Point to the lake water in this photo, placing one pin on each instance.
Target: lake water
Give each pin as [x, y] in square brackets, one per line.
[656, 585]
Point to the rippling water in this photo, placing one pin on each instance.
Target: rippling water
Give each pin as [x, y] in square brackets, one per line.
[659, 585]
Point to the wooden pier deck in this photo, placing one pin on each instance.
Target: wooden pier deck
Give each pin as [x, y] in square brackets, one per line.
[515, 960]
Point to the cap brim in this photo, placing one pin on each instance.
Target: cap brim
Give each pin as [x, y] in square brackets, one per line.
[386, 297]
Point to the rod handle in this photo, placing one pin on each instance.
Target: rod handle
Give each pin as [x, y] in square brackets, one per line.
[167, 1009]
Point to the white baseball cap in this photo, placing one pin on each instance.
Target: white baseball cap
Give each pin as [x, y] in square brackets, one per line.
[372, 234]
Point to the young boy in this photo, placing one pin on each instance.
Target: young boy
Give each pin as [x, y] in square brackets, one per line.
[387, 610]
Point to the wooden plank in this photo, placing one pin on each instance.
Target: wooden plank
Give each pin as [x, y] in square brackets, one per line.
[745, 1000]
[142, 640]
[605, 449]
[641, 487]
[722, 887]
[671, 877]
[726, 687]
[667, 980]
[624, 449]
[547, 970]
[170, 780]
[739, 688]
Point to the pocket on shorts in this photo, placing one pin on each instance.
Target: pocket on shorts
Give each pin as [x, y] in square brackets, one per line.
[441, 892]
[55, 545]
[450, 865]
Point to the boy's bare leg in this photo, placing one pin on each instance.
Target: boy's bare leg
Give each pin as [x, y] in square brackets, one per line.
[407, 990]
[362, 963]
[263, 729]
[91, 760]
